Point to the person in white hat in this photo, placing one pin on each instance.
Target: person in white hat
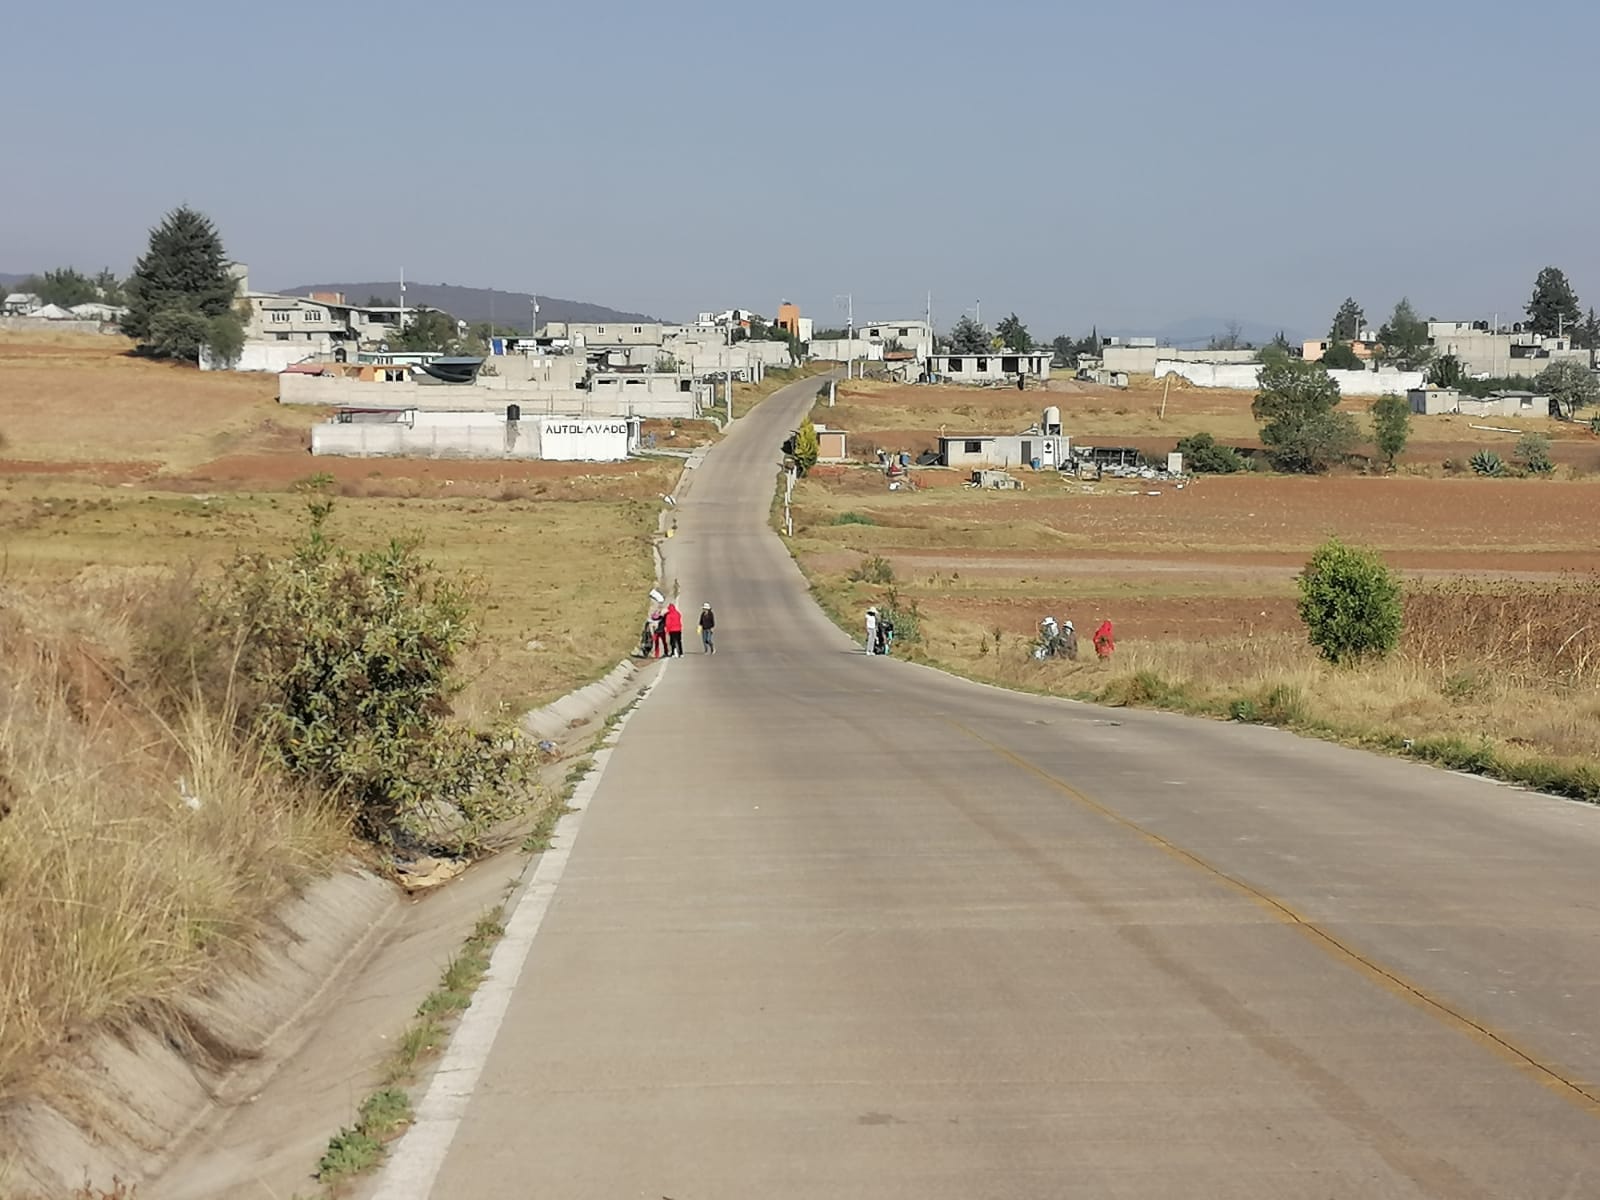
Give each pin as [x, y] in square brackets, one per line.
[708, 626]
[872, 630]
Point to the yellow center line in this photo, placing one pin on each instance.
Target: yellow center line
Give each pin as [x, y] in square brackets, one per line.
[1578, 1093]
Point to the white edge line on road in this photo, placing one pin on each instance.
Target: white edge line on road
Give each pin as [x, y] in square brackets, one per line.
[413, 1163]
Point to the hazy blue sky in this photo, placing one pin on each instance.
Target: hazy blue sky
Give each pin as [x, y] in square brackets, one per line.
[1129, 163]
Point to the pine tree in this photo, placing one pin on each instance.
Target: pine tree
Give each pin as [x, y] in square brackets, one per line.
[1553, 307]
[181, 291]
[1347, 322]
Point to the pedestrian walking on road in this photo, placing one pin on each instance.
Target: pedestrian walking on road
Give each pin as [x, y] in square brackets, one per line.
[658, 631]
[708, 627]
[674, 624]
[872, 631]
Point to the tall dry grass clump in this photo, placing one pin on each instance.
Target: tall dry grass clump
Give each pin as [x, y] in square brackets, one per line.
[1534, 633]
[134, 852]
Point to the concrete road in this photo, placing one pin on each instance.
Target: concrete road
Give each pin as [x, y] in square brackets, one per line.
[842, 927]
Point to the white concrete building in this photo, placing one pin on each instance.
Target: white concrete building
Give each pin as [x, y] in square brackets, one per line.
[990, 366]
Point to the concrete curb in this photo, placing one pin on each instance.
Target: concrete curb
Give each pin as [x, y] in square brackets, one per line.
[138, 1091]
[575, 708]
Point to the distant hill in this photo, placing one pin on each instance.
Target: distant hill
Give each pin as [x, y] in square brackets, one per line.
[10, 281]
[476, 304]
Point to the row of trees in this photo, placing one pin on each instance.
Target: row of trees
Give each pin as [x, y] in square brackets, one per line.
[68, 286]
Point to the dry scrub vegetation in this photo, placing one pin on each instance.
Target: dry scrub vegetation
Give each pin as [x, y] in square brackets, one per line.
[134, 852]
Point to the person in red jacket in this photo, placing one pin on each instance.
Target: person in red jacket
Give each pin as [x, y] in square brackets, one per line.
[1103, 643]
[674, 632]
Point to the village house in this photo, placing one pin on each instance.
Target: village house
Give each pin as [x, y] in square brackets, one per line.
[989, 366]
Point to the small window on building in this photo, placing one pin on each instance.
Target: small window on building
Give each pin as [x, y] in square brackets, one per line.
[1527, 402]
[983, 364]
[972, 447]
[955, 365]
[1008, 365]
[282, 337]
[905, 333]
[638, 328]
[599, 328]
[313, 314]
[280, 316]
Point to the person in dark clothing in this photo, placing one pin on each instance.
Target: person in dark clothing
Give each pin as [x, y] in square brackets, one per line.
[658, 633]
[674, 624]
[708, 626]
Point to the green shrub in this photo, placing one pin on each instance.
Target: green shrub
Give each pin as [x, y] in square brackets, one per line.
[1488, 464]
[342, 665]
[1203, 456]
[904, 615]
[854, 518]
[1533, 454]
[1350, 603]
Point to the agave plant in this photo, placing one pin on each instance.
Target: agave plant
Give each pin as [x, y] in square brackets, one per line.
[1487, 462]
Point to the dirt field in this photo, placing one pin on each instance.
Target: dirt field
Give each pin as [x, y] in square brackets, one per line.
[113, 466]
[1216, 556]
[911, 418]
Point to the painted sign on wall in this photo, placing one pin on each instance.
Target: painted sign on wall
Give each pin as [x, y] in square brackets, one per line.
[583, 439]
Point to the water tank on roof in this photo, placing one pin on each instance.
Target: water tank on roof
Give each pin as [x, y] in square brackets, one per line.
[1052, 420]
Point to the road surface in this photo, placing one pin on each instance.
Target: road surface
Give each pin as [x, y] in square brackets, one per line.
[838, 926]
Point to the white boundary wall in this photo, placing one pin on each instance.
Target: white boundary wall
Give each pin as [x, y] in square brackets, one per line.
[1243, 377]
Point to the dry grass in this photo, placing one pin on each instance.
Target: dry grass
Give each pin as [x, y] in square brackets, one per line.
[133, 855]
[560, 583]
[84, 398]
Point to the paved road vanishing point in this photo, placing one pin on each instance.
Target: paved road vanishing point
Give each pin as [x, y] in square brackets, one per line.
[836, 927]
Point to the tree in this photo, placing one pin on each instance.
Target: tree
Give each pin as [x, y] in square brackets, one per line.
[1347, 322]
[1446, 371]
[806, 449]
[376, 301]
[1203, 456]
[1570, 384]
[64, 286]
[1553, 307]
[427, 331]
[181, 288]
[108, 287]
[1341, 357]
[1404, 339]
[969, 337]
[1391, 425]
[1295, 404]
[829, 335]
[1533, 454]
[1231, 338]
[1587, 335]
[1014, 334]
[1350, 603]
[759, 329]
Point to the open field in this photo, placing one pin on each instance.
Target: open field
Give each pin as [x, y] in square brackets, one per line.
[911, 417]
[117, 474]
[116, 465]
[1199, 580]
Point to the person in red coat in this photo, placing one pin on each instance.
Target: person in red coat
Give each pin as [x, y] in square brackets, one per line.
[674, 632]
[1103, 643]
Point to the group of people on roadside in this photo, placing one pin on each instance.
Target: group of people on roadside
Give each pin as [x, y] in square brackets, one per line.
[1060, 640]
[662, 635]
[880, 631]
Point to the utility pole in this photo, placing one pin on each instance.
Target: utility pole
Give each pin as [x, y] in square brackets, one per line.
[535, 329]
[850, 332]
[402, 299]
